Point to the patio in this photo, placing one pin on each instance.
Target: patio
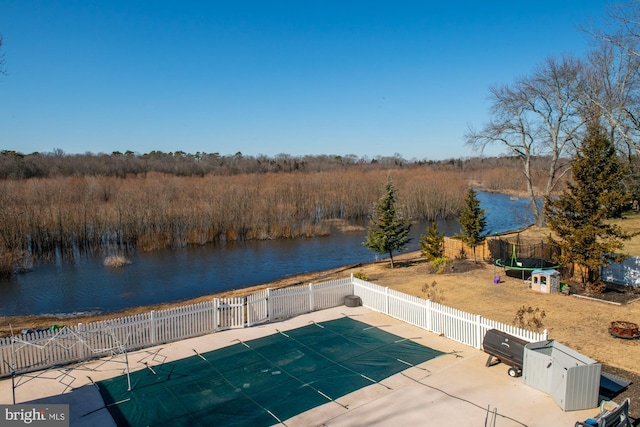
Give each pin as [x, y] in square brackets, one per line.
[453, 389]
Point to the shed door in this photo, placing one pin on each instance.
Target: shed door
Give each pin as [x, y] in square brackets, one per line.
[537, 370]
[558, 388]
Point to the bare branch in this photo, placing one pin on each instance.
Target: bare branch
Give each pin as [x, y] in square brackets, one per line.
[539, 115]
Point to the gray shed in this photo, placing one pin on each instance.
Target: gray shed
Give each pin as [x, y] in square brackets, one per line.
[572, 379]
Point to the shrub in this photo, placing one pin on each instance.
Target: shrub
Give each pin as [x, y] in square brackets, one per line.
[440, 264]
[431, 292]
[595, 288]
[462, 253]
[360, 275]
[529, 318]
[432, 243]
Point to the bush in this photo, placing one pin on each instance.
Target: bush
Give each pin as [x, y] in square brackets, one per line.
[529, 318]
[595, 288]
[432, 293]
[432, 243]
[440, 264]
[360, 275]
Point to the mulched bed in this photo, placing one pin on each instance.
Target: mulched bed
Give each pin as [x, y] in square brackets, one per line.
[456, 266]
[619, 294]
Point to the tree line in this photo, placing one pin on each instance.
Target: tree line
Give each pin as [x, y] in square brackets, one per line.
[17, 165]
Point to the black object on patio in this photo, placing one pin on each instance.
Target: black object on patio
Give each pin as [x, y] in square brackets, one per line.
[506, 349]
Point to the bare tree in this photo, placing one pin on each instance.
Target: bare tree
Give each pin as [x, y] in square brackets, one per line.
[612, 83]
[622, 28]
[538, 116]
[611, 80]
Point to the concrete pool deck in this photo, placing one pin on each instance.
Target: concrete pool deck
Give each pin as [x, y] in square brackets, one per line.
[453, 389]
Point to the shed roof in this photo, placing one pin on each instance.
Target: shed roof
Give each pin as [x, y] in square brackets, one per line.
[550, 272]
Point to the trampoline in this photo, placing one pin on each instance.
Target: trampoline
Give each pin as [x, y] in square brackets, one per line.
[264, 381]
[527, 266]
[523, 257]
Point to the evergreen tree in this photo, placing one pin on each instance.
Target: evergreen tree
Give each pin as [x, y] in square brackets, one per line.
[432, 243]
[387, 231]
[596, 194]
[473, 222]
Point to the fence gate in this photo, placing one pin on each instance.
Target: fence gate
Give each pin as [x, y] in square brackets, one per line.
[230, 313]
[257, 308]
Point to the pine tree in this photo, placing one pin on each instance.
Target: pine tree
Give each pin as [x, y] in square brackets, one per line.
[432, 243]
[596, 194]
[387, 231]
[473, 222]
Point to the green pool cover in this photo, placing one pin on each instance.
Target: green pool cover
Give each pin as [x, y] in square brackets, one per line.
[263, 381]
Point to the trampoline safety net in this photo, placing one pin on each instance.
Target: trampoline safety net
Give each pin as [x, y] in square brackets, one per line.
[264, 381]
[520, 254]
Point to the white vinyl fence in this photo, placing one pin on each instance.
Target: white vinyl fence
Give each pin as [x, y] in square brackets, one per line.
[43, 349]
[454, 324]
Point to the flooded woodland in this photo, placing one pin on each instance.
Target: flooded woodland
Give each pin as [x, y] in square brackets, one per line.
[66, 206]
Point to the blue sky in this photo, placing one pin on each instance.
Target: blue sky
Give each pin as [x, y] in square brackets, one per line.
[298, 77]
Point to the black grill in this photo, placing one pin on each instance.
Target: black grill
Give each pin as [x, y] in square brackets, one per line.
[506, 349]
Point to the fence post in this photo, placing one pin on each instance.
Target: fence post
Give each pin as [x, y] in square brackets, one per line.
[427, 312]
[245, 312]
[213, 316]
[312, 302]
[478, 331]
[545, 335]
[152, 325]
[386, 300]
[216, 314]
[268, 302]
[81, 349]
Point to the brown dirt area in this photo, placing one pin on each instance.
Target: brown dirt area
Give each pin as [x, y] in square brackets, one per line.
[582, 324]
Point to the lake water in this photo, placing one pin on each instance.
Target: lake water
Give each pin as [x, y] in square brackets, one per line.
[178, 274]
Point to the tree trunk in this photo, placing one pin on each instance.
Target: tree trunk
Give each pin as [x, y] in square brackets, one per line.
[526, 163]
